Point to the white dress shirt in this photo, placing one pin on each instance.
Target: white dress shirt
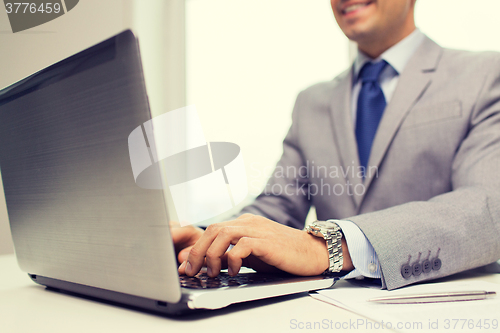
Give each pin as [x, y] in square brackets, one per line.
[363, 256]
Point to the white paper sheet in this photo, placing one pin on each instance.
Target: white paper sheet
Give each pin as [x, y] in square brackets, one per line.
[463, 316]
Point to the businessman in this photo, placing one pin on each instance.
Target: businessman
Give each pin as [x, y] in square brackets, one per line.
[401, 154]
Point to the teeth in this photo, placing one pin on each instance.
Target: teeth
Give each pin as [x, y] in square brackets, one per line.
[354, 7]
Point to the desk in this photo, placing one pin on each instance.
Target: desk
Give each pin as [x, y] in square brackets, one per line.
[27, 307]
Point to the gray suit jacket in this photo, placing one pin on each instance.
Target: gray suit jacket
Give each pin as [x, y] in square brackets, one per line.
[435, 164]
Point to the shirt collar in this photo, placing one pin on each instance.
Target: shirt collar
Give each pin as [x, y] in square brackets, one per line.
[397, 56]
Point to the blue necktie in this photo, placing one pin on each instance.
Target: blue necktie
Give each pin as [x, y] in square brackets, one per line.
[371, 105]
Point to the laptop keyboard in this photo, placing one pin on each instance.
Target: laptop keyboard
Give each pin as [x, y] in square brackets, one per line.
[203, 281]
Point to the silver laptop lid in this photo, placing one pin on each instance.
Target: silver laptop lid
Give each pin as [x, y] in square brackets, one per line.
[75, 211]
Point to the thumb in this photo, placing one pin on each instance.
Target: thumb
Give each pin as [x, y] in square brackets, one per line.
[183, 254]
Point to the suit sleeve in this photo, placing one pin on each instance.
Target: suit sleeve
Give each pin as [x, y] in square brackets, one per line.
[286, 197]
[461, 227]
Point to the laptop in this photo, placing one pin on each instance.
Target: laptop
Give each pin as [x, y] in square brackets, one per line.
[79, 222]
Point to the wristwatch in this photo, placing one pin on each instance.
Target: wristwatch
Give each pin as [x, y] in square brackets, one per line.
[332, 233]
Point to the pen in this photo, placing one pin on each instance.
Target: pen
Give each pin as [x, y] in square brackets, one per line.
[453, 296]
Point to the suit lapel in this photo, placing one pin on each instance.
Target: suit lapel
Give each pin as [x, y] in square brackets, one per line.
[343, 130]
[413, 82]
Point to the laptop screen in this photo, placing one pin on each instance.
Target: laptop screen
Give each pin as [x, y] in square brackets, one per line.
[75, 211]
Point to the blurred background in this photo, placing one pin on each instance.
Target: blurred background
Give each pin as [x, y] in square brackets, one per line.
[242, 63]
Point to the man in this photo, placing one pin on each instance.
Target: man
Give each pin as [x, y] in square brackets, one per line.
[420, 125]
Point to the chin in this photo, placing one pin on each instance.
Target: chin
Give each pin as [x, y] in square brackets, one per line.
[358, 34]
[362, 29]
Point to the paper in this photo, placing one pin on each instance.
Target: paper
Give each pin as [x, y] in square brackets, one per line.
[463, 316]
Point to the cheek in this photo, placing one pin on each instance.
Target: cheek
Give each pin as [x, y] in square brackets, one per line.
[334, 6]
[338, 18]
[395, 11]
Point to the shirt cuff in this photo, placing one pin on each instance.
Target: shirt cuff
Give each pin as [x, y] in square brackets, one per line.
[363, 256]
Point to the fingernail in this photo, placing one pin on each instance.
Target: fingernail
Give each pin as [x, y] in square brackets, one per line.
[188, 268]
[230, 271]
[209, 271]
[182, 266]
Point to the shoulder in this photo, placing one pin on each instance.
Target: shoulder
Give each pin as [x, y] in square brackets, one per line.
[463, 62]
[473, 77]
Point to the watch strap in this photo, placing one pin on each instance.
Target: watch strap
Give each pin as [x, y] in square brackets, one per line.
[333, 237]
[335, 255]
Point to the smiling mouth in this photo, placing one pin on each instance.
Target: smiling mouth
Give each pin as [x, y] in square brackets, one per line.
[355, 7]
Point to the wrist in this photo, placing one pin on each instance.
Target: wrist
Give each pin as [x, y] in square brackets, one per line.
[324, 261]
[321, 253]
[347, 265]
[333, 240]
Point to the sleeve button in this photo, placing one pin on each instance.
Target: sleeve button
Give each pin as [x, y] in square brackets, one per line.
[406, 271]
[436, 264]
[417, 269]
[426, 266]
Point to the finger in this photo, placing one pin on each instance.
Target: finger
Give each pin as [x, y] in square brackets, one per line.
[227, 235]
[183, 254]
[198, 252]
[181, 235]
[182, 268]
[245, 247]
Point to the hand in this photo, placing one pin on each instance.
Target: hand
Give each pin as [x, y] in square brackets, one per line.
[259, 243]
[184, 238]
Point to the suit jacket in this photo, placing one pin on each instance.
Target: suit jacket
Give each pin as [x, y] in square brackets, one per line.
[434, 187]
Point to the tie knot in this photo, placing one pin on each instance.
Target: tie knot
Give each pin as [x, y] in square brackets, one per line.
[371, 71]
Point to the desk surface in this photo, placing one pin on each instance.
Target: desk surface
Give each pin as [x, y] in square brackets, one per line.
[27, 307]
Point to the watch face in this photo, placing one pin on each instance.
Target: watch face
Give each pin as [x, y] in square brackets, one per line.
[324, 224]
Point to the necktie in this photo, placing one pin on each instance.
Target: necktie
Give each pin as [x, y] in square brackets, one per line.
[371, 105]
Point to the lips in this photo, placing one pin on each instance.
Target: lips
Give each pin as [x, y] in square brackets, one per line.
[353, 7]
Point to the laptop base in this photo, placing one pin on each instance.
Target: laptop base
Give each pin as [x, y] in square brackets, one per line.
[114, 297]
